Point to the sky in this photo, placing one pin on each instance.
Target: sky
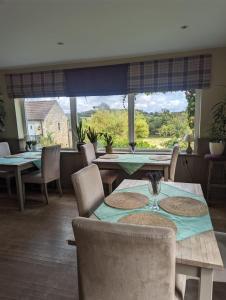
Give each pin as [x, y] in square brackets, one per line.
[173, 101]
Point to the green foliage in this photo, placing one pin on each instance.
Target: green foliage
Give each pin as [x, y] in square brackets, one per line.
[2, 116]
[141, 126]
[92, 135]
[190, 96]
[47, 140]
[218, 127]
[81, 133]
[108, 139]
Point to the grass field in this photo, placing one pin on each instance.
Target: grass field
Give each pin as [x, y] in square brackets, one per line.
[155, 142]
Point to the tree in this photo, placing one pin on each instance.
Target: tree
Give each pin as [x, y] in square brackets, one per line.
[141, 126]
[190, 96]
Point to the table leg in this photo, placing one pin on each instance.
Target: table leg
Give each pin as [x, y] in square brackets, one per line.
[166, 173]
[19, 188]
[206, 284]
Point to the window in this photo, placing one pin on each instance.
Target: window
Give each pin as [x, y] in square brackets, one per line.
[163, 119]
[154, 121]
[48, 121]
[106, 114]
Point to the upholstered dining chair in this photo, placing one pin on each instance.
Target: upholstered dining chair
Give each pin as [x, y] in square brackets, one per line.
[5, 151]
[88, 156]
[173, 163]
[121, 261]
[88, 187]
[220, 275]
[50, 170]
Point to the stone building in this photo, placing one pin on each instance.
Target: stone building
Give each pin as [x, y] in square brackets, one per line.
[47, 119]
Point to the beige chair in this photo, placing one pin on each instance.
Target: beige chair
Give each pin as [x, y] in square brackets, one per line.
[88, 187]
[220, 276]
[173, 163]
[121, 261]
[88, 156]
[50, 170]
[5, 151]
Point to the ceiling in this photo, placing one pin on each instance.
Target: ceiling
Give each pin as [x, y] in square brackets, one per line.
[101, 29]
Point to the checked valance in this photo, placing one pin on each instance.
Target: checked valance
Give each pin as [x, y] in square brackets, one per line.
[173, 74]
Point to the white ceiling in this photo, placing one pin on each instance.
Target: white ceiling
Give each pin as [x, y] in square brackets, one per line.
[99, 29]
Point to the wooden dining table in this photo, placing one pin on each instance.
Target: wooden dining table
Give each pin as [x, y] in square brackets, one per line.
[197, 256]
[16, 164]
[147, 162]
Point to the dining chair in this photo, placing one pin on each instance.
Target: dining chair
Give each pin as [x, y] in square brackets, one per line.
[173, 162]
[88, 187]
[220, 275]
[88, 156]
[7, 175]
[50, 170]
[121, 261]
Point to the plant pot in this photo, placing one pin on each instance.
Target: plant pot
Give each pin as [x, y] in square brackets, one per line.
[79, 144]
[108, 149]
[95, 146]
[216, 148]
[34, 148]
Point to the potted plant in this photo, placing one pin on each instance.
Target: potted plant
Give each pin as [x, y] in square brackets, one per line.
[218, 128]
[93, 137]
[28, 145]
[109, 142]
[81, 135]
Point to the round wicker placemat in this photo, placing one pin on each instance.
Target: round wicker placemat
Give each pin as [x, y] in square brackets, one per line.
[184, 206]
[151, 219]
[160, 157]
[126, 200]
[109, 156]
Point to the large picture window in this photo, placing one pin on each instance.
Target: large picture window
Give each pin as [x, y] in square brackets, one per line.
[153, 120]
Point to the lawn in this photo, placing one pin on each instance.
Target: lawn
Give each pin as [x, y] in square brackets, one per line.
[156, 142]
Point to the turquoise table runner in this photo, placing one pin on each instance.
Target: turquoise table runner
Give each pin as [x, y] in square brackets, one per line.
[186, 226]
[130, 163]
[24, 157]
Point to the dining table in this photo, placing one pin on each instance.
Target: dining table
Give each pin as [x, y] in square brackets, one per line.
[131, 163]
[197, 252]
[16, 164]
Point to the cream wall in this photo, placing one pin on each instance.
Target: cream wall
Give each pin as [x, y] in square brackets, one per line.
[209, 96]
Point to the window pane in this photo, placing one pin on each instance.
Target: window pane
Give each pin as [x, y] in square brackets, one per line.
[106, 114]
[161, 120]
[48, 121]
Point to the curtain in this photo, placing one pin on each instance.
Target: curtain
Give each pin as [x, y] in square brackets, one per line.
[182, 73]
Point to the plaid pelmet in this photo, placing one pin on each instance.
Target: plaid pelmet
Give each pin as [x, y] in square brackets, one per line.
[175, 74]
[36, 84]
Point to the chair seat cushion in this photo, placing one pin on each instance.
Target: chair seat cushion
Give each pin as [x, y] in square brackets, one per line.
[33, 177]
[6, 174]
[108, 176]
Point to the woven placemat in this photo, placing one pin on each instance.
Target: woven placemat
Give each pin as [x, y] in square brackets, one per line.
[126, 200]
[109, 156]
[160, 157]
[184, 206]
[151, 219]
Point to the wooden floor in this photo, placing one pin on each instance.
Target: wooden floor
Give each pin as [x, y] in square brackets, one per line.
[35, 260]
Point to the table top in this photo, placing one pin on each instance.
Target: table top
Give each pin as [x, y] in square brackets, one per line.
[147, 159]
[200, 250]
[20, 159]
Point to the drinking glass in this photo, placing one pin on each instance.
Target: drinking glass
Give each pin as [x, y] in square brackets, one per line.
[154, 189]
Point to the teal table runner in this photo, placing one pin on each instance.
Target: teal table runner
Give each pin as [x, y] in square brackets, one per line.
[130, 163]
[186, 226]
[24, 157]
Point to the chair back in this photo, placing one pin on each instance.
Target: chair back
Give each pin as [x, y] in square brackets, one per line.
[173, 162]
[88, 187]
[88, 154]
[121, 261]
[4, 149]
[51, 162]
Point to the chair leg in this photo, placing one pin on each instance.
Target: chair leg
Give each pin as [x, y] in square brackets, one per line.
[8, 183]
[59, 187]
[46, 192]
[110, 188]
[23, 189]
